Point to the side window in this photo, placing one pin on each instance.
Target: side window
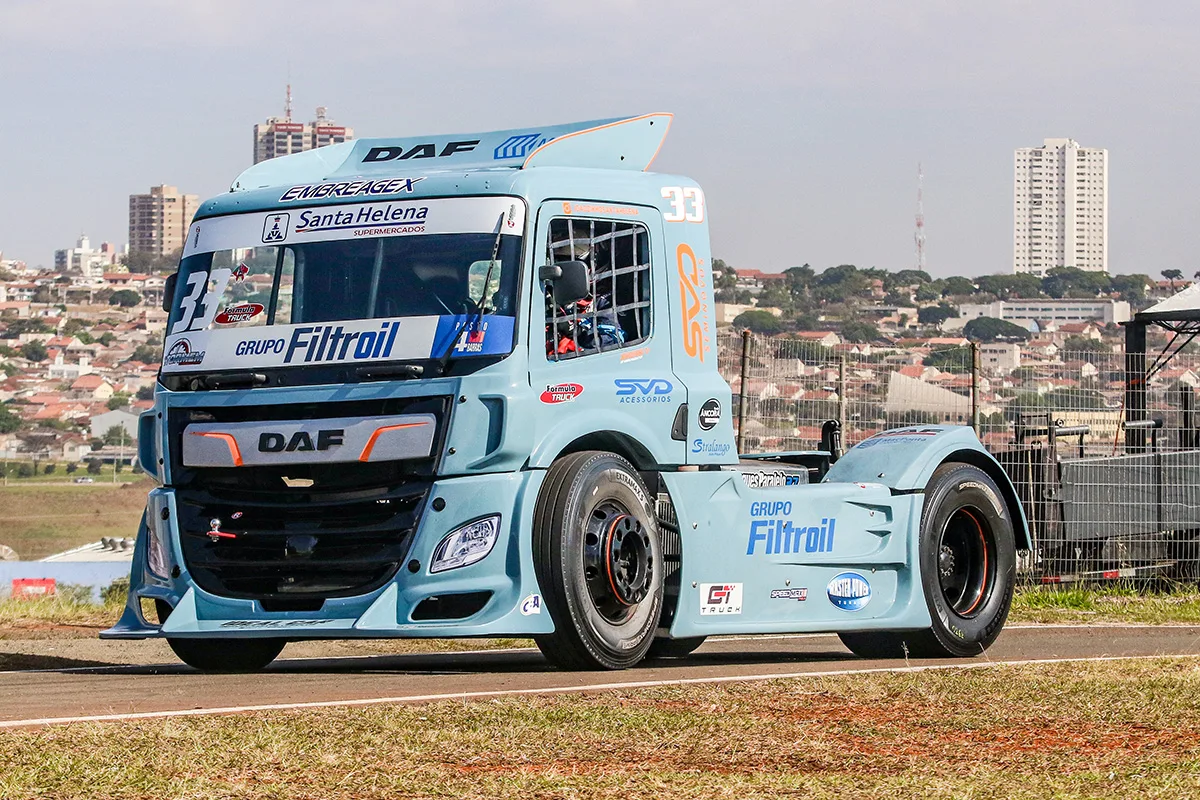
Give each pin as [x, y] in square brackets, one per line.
[617, 312]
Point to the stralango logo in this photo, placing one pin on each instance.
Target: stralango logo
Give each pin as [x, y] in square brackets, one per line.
[181, 353]
[561, 393]
[849, 591]
[239, 313]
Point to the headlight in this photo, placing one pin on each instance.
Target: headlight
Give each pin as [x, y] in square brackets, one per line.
[156, 545]
[465, 545]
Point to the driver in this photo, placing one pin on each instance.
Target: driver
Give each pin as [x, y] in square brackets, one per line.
[590, 323]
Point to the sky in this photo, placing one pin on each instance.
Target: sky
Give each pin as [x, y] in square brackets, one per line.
[804, 120]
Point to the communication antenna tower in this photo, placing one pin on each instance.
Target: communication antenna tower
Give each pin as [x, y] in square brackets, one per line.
[287, 106]
[919, 235]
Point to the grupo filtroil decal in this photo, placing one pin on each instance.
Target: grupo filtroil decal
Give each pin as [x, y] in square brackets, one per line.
[355, 220]
[350, 341]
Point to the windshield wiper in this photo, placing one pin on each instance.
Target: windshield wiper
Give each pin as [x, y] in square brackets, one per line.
[390, 371]
[237, 380]
[444, 359]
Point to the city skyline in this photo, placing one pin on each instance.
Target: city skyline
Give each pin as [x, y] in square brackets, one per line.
[804, 121]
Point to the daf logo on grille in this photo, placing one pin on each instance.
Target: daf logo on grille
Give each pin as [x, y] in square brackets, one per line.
[300, 441]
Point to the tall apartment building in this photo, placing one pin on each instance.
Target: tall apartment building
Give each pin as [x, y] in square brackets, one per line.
[1060, 207]
[158, 221]
[280, 136]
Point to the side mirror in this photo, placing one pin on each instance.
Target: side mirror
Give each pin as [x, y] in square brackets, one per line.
[569, 281]
[168, 297]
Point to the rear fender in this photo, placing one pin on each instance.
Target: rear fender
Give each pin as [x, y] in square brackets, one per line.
[905, 459]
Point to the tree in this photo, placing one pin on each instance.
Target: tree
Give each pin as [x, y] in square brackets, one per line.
[1063, 282]
[1172, 275]
[1006, 287]
[9, 421]
[94, 466]
[1132, 288]
[936, 315]
[125, 298]
[118, 400]
[839, 283]
[927, 292]
[72, 467]
[49, 469]
[147, 354]
[950, 359]
[107, 338]
[145, 393]
[758, 321]
[1081, 348]
[859, 332]
[957, 285]
[990, 329]
[34, 351]
[25, 471]
[20, 326]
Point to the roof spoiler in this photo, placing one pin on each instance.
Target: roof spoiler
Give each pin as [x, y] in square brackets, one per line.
[629, 143]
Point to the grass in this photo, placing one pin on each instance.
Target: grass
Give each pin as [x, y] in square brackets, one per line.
[1117, 729]
[40, 519]
[1118, 603]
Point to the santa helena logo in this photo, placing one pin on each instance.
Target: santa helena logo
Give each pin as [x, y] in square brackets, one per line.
[182, 353]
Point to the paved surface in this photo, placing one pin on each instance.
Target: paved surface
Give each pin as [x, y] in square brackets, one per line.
[39, 696]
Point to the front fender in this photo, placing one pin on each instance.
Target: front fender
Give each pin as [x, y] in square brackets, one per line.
[598, 422]
[905, 459]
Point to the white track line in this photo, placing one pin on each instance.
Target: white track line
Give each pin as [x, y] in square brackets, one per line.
[599, 687]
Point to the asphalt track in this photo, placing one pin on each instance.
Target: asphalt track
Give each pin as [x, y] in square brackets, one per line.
[123, 692]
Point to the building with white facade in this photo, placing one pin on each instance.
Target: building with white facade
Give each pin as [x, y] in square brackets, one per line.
[83, 260]
[1060, 207]
[1044, 311]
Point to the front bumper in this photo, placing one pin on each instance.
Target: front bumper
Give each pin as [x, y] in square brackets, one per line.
[513, 604]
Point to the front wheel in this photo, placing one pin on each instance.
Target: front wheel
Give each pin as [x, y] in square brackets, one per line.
[599, 563]
[227, 655]
[967, 558]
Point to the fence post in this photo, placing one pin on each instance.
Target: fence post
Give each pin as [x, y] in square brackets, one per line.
[842, 397]
[742, 399]
[975, 387]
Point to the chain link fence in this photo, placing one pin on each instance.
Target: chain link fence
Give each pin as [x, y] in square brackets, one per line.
[1109, 494]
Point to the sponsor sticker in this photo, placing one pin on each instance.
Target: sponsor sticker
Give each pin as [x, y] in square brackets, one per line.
[773, 532]
[634, 355]
[799, 595]
[531, 605]
[182, 354]
[710, 448]
[770, 479]
[316, 191]
[710, 414]
[694, 302]
[275, 228]
[561, 393]
[643, 390]
[257, 624]
[239, 313]
[720, 598]
[849, 591]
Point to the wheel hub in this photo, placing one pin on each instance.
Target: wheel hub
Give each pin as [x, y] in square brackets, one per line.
[946, 561]
[618, 561]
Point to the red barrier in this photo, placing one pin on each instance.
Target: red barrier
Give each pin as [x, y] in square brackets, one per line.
[30, 588]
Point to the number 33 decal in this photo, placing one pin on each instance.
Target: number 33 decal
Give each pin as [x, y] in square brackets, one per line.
[687, 204]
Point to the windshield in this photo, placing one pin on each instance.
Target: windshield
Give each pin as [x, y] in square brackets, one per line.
[439, 263]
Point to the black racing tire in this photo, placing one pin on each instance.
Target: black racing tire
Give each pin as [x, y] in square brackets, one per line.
[598, 560]
[968, 559]
[227, 655]
[674, 648]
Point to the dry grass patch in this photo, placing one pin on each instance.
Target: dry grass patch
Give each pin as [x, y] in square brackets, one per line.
[40, 520]
[1114, 729]
[1127, 603]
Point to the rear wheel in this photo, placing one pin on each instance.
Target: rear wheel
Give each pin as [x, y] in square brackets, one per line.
[598, 559]
[968, 570]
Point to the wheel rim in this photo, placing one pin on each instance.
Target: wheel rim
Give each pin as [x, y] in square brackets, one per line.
[966, 562]
[618, 561]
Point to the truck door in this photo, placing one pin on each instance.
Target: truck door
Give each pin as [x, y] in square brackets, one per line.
[604, 363]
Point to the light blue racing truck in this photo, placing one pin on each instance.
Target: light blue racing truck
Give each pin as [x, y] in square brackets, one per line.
[467, 386]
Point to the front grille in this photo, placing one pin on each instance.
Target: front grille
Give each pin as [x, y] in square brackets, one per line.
[298, 545]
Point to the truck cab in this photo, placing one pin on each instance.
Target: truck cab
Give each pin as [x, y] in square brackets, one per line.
[467, 386]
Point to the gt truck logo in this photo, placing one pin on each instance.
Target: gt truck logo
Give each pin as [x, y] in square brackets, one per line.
[644, 390]
[693, 305]
[780, 535]
[300, 441]
[428, 150]
[518, 145]
[720, 598]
